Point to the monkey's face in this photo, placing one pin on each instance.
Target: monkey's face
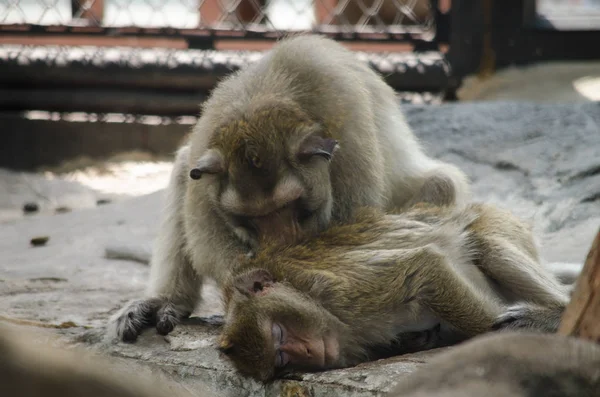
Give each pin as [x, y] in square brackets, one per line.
[268, 175]
[271, 328]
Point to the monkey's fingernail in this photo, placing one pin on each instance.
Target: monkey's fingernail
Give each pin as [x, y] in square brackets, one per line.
[164, 327]
[129, 336]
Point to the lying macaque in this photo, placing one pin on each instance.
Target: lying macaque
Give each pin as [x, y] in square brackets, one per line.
[509, 364]
[332, 301]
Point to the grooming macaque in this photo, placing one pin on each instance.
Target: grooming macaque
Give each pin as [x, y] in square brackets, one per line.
[511, 364]
[263, 165]
[33, 369]
[329, 302]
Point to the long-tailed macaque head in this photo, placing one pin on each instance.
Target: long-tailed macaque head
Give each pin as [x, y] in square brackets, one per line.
[272, 328]
[267, 173]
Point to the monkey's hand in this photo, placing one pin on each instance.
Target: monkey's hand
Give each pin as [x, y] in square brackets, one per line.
[409, 342]
[144, 313]
[418, 341]
[544, 319]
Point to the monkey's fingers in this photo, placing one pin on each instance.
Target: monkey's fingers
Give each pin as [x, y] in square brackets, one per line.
[135, 317]
[168, 316]
[421, 340]
[531, 317]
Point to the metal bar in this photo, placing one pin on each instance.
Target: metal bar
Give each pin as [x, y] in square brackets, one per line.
[341, 33]
[84, 99]
[529, 12]
[96, 41]
[466, 41]
[30, 141]
[180, 70]
[441, 11]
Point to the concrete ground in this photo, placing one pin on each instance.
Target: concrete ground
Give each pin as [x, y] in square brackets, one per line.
[540, 160]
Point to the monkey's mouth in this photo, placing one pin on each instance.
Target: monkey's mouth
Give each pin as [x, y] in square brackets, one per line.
[282, 226]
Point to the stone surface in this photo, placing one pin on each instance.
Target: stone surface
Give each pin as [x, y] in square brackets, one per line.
[541, 161]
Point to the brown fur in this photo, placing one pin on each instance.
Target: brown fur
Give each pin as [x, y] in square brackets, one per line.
[383, 275]
[515, 364]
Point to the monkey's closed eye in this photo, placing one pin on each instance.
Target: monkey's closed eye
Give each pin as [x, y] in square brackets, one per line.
[317, 146]
[281, 359]
[278, 335]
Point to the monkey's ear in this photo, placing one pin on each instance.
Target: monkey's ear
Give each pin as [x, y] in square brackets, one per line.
[255, 282]
[210, 163]
[314, 145]
[225, 345]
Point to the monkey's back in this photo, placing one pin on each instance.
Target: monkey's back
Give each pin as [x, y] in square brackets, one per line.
[344, 247]
[371, 233]
[376, 255]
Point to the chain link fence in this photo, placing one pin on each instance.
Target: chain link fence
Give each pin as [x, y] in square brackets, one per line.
[266, 16]
[172, 81]
[97, 76]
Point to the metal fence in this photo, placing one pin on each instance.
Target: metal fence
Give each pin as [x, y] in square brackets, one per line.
[70, 55]
[367, 19]
[86, 64]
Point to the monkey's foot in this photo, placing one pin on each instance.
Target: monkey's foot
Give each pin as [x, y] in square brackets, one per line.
[532, 317]
[145, 313]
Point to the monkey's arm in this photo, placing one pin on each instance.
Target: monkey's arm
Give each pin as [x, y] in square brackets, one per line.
[450, 294]
[539, 298]
[509, 256]
[174, 287]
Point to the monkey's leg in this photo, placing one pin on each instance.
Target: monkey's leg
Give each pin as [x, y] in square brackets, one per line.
[174, 287]
[543, 298]
[519, 273]
[447, 292]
